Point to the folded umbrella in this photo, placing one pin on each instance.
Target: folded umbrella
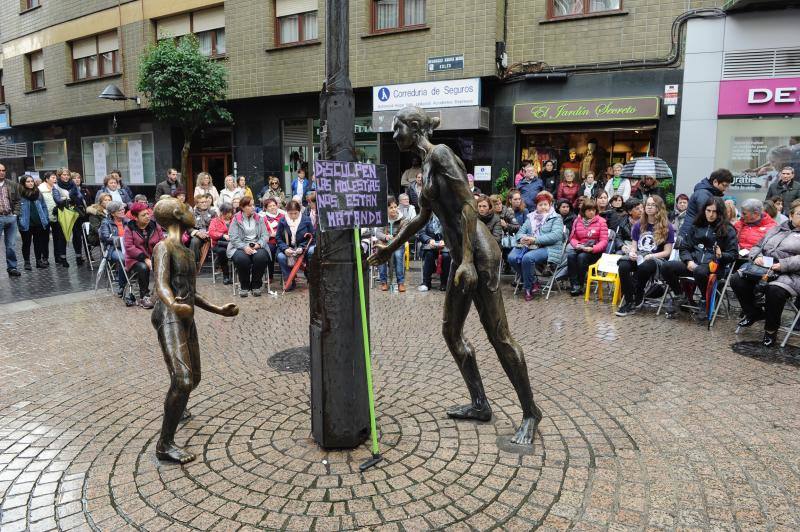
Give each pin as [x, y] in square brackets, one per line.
[66, 219]
[298, 263]
[647, 166]
[711, 290]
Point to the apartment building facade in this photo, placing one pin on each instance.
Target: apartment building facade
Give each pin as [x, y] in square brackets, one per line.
[530, 58]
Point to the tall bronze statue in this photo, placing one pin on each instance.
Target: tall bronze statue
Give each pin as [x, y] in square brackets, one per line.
[173, 319]
[474, 274]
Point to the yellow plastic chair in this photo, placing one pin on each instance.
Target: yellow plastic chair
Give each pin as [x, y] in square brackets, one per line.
[605, 270]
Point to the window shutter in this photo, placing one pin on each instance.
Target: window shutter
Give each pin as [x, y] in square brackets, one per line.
[37, 61]
[285, 8]
[84, 48]
[208, 19]
[173, 26]
[108, 42]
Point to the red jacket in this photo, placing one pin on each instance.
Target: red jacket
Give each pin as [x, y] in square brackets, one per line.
[139, 244]
[216, 229]
[596, 232]
[569, 193]
[751, 234]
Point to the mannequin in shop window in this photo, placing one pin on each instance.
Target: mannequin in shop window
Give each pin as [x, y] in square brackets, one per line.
[573, 163]
[589, 160]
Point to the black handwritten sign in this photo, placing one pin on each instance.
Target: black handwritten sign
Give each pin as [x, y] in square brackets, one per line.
[350, 195]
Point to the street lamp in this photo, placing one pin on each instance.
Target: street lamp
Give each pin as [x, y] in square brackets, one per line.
[112, 92]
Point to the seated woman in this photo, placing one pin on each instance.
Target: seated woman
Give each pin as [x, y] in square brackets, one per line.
[622, 239]
[384, 235]
[112, 228]
[609, 214]
[518, 207]
[489, 217]
[710, 237]
[564, 209]
[779, 252]
[652, 238]
[432, 239]
[294, 232]
[95, 215]
[569, 189]
[589, 239]
[218, 231]
[272, 218]
[753, 224]
[141, 236]
[539, 241]
[248, 248]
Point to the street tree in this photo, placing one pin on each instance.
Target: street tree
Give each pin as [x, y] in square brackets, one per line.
[184, 88]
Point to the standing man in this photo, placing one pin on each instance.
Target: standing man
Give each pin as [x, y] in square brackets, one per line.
[9, 209]
[409, 176]
[169, 185]
[530, 186]
[714, 185]
[785, 187]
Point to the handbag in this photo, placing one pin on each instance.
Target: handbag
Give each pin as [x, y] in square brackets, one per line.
[754, 272]
[507, 241]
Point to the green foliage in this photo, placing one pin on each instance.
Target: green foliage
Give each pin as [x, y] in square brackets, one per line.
[183, 86]
[501, 183]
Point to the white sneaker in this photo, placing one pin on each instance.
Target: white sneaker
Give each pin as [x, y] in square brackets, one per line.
[422, 288]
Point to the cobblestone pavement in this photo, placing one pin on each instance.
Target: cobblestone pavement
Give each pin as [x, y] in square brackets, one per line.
[649, 424]
[52, 281]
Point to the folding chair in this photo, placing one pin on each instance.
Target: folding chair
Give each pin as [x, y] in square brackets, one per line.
[104, 266]
[119, 246]
[86, 227]
[559, 272]
[790, 328]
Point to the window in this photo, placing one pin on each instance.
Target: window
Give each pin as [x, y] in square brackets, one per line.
[49, 154]
[295, 21]
[95, 56]
[572, 8]
[208, 25]
[36, 65]
[395, 14]
[2, 89]
[25, 5]
[132, 153]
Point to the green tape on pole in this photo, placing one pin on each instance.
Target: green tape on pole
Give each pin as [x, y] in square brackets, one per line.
[365, 332]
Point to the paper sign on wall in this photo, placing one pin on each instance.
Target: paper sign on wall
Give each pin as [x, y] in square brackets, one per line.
[135, 164]
[483, 173]
[100, 168]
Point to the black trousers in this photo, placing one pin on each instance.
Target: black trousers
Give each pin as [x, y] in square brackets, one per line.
[40, 237]
[142, 277]
[221, 256]
[77, 237]
[250, 268]
[578, 263]
[775, 299]
[59, 242]
[633, 277]
[674, 269]
[429, 258]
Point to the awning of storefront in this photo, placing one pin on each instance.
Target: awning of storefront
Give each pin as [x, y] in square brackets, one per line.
[757, 5]
[451, 118]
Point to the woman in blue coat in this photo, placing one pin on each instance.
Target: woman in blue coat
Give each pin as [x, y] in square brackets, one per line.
[34, 224]
[540, 240]
[293, 233]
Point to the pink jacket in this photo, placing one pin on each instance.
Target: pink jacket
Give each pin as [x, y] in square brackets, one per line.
[597, 231]
[139, 244]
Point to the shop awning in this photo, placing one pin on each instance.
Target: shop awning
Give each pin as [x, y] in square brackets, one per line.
[757, 5]
[452, 118]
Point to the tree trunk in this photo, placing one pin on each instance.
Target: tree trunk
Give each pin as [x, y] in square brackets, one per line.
[185, 177]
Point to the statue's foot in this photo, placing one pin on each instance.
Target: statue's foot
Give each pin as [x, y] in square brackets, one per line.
[186, 416]
[483, 413]
[526, 431]
[169, 452]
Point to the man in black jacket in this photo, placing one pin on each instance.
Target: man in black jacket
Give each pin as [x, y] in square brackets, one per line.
[785, 187]
[9, 210]
[714, 185]
[169, 185]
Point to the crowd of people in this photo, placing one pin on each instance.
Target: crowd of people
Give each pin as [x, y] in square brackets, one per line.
[545, 224]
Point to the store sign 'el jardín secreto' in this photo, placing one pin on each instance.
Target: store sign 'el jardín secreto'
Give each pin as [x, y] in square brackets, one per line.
[596, 110]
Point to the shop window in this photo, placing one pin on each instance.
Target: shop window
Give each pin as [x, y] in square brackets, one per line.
[295, 21]
[36, 71]
[577, 8]
[2, 89]
[132, 154]
[756, 151]
[397, 14]
[25, 5]
[207, 25]
[49, 154]
[95, 57]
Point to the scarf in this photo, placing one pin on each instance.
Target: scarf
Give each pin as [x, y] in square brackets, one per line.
[487, 218]
[537, 220]
[293, 226]
[615, 182]
[30, 194]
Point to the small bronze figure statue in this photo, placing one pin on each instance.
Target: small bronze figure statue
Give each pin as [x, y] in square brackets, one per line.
[474, 274]
[173, 319]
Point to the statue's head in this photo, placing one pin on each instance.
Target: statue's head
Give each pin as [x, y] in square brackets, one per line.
[170, 211]
[409, 124]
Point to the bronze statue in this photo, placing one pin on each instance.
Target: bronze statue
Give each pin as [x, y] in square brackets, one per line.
[173, 319]
[474, 274]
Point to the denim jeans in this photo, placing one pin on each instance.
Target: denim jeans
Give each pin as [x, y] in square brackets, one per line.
[398, 261]
[523, 260]
[8, 226]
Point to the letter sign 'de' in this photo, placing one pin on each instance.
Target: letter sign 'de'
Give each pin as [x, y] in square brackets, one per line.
[784, 95]
[759, 95]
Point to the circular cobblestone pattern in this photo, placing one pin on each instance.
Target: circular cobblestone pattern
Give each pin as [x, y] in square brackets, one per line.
[649, 424]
